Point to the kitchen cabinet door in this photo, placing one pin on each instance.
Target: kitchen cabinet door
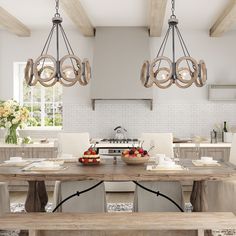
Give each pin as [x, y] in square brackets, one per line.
[187, 153]
[221, 154]
[44, 153]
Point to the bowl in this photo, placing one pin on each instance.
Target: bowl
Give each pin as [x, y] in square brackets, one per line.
[135, 160]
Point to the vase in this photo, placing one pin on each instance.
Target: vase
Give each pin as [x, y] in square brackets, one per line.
[12, 135]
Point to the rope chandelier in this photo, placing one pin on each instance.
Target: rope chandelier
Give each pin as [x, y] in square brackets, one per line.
[183, 71]
[48, 70]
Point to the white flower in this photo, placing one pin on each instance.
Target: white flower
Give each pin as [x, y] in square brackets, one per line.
[15, 121]
[8, 124]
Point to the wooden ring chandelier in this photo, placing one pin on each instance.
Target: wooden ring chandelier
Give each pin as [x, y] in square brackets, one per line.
[48, 70]
[164, 72]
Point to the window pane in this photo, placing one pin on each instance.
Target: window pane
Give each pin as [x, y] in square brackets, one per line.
[49, 94]
[36, 93]
[58, 93]
[36, 114]
[58, 119]
[26, 93]
[49, 117]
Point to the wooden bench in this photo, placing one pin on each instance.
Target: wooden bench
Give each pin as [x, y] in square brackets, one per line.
[96, 223]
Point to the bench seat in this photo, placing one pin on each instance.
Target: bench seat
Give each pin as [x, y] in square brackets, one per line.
[37, 222]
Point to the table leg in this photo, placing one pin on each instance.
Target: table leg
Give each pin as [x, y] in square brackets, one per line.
[199, 196]
[37, 197]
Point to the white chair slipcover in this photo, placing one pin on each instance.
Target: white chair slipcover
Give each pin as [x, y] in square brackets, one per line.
[92, 201]
[146, 201]
[221, 195]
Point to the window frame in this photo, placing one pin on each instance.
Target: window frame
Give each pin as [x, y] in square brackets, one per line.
[18, 96]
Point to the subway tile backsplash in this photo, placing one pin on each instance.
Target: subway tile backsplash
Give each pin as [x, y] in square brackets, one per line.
[183, 119]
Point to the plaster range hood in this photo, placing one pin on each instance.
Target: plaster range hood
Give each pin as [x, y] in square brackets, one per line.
[118, 57]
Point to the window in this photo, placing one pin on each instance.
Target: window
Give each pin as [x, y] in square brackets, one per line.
[44, 104]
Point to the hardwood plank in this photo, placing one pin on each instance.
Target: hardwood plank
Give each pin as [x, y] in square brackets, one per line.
[12, 24]
[122, 232]
[121, 172]
[77, 14]
[119, 221]
[156, 14]
[225, 20]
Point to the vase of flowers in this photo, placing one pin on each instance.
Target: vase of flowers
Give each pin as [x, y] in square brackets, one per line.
[12, 117]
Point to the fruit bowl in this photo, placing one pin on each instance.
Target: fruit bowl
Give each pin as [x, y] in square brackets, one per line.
[135, 160]
[135, 156]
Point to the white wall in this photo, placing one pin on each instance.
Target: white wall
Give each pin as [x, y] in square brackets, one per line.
[185, 112]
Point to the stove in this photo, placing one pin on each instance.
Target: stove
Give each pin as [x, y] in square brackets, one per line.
[110, 147]
[113, 140]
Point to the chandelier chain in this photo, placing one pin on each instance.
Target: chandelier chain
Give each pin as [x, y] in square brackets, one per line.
[57, 7]
[173, 7]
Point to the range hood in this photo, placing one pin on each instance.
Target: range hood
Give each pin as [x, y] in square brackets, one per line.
[118, 57]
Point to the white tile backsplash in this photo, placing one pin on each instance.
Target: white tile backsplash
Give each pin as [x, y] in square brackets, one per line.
[183, 119]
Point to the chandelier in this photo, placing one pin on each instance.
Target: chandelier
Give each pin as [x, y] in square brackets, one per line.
[164, 71]
[48, 70]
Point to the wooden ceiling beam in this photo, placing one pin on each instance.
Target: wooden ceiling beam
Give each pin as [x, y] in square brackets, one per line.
[225, 21]
[77, 14]
[12, 24]
[156, 14]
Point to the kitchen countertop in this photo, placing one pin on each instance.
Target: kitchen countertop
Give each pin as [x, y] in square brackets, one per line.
[183, 145]
[118, 145]
[202, 145]
[32, 145]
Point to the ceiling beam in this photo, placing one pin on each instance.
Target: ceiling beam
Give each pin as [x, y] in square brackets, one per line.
[12, 24]
[77, 14]
[157, 10]
[225, 21]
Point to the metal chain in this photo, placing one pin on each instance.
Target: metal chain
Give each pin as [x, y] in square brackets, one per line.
[173, 7]
[57, 6]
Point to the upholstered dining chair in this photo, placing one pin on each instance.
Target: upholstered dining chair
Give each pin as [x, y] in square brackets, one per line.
[92, 201]
[4, 198]
[222, 194]
[146, 201]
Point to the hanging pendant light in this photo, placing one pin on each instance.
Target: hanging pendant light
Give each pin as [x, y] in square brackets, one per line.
[164, 71]
[48, 70]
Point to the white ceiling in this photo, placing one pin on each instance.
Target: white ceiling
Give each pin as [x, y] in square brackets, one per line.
[193, 14]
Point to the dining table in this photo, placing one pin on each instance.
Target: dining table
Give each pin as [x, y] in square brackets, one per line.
[37, 197]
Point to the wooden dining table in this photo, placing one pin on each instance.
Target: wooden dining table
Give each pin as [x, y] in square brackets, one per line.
[37, 197]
